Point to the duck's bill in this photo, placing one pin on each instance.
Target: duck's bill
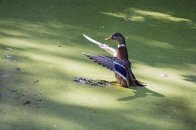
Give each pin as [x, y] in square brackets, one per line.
[108, 38]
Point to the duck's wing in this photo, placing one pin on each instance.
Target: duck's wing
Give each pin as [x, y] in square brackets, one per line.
[105, 61]
[106, 47]
[119, 66]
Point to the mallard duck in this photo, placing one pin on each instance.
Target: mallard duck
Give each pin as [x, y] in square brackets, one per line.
[118, 63]
[122, 53]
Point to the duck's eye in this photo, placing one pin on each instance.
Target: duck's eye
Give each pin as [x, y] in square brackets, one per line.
[114, 37]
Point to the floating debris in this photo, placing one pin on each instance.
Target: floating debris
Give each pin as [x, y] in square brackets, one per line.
[11, 58]
[18, 69]
[35, 82]
[13, 91]
[102, 27]
[5, 75]
[40, 100]
[125, 19]
[163, 75]
[27, 102]
[8, 48]
[100, 83]
[8, 56]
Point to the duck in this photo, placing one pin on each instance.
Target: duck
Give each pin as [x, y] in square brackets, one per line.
[118, 63]
[122, 53]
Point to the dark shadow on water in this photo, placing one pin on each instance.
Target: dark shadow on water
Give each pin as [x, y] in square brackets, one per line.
[138, 93]
[141, 92]
[190, 78]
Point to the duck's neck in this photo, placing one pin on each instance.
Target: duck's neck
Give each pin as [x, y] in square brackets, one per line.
[121, 45]
[122, 51]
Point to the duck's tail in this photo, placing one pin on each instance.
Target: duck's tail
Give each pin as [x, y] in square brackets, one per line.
[134, 81]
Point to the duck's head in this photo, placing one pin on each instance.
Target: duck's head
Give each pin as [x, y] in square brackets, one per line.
[118, 37]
